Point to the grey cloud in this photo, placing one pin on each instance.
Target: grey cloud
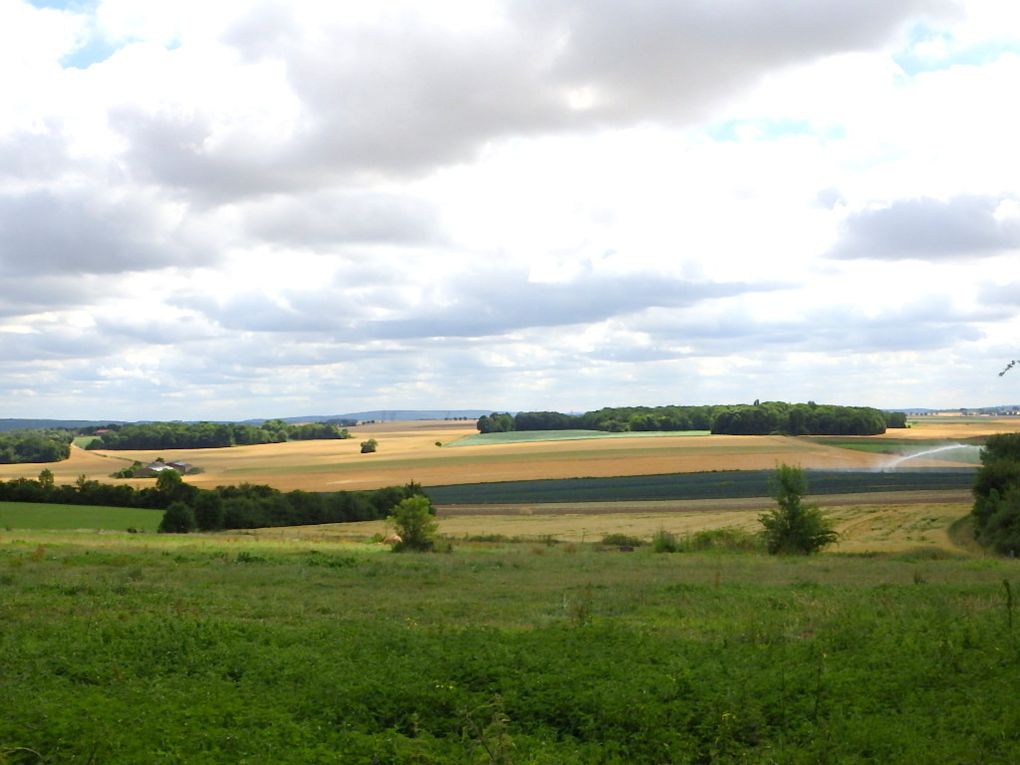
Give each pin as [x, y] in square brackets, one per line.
[928, 229]
[656, 58]
[477, 305]
[411, 96]
[336, 218]
[81, 233]
[22, 296]
[54, 344]
[1001, 295]
[840, 329]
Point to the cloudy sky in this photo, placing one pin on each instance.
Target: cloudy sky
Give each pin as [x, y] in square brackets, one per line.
[244, 209]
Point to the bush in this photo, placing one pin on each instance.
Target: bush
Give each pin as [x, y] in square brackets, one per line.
[664, 542]
[414, 519]
[179, 518]
[793, 528]
[621, 540]
[369, 446]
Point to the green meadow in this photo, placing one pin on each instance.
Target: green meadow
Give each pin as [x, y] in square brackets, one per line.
[35, 515]
[141, 648]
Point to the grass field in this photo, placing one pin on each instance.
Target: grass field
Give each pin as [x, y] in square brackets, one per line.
[128, 649]
[31, 515]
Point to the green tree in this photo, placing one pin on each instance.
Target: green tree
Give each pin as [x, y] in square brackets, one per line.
[179, 518]
[369, 446]
[414, 519]
[997, 494]
[792, 527]
[46, 479]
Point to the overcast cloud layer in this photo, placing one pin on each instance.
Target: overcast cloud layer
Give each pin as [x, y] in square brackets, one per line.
[243, 209]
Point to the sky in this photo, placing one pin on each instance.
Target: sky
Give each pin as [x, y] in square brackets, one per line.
[224, 210]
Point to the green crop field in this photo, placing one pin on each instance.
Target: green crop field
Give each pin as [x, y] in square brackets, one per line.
[713, 485]
[32, 515]
[965, 451]
[202, 649]
[533, 436]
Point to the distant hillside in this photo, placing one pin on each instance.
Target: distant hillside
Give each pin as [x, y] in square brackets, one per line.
[390, 415]
[19, 424]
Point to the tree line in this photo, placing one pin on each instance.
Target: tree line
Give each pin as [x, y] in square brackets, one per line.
[997, 495]
[760, 418]
[245, 506]
[202, 435]
[46, 445]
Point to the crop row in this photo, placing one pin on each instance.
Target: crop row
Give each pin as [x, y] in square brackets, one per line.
[713, 485]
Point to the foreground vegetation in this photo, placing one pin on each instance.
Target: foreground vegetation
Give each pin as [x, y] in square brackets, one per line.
[193, 649]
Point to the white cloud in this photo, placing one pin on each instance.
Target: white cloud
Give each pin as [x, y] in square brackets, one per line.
[295, 207]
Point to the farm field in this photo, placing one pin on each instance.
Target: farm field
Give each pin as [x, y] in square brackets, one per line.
[525, 436]
[407, 451]
[34, 515]
[205, 649]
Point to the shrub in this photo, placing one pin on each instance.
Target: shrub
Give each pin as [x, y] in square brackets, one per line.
[369, 446]
[664, 542]
[792, 527]
[414, 518]
[179, 518]
[621, 540]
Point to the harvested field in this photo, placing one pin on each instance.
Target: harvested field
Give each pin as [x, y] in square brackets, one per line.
[955, 428]
[922, 522]
[407, 451]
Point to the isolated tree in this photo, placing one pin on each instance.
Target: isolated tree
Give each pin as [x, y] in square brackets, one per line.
[179, 518]
[46, 478]
[369, 446]
[793, 528]
[414, 519]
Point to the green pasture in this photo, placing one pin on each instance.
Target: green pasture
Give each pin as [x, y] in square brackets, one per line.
[531, 436]
[197, 649]
[35, 515]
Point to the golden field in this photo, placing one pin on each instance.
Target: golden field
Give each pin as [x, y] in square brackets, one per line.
[872, 527]
[407, 451]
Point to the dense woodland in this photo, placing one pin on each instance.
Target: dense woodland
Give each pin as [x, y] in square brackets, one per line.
[49, 445]
[200, 435]
[761, 418]
[225, 507]
[997, 494]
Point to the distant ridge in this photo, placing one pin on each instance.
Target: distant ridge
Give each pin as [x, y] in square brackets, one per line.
[389, 415]
[379, 415]
[11, 423]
